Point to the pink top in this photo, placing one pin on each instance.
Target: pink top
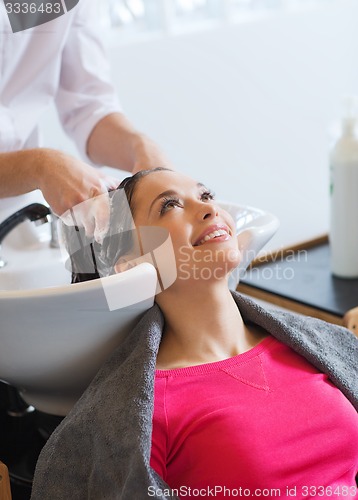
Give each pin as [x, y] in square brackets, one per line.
[265, 421]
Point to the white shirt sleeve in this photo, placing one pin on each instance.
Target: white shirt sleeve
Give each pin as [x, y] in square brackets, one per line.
[86, 93]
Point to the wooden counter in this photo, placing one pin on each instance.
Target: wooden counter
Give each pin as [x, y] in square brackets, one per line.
[299, 279]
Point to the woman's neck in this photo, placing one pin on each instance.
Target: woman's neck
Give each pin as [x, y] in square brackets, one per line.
[200, 327]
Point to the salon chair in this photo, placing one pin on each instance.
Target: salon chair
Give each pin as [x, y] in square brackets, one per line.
[23, 433]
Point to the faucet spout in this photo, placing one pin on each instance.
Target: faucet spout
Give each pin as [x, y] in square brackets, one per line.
[36, 212]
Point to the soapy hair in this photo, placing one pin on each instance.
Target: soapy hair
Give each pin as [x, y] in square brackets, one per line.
[90, 260]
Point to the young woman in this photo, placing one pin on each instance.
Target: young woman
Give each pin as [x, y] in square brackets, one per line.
[237, 412]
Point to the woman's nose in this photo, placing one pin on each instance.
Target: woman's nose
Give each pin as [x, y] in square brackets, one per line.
[208, 211]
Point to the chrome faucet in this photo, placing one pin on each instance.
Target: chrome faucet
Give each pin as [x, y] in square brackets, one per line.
[36, 212]
[54, 243]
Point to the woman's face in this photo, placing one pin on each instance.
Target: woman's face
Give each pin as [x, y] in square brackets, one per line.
[202, 234]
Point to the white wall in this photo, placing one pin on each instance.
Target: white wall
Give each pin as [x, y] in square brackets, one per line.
[247, 108]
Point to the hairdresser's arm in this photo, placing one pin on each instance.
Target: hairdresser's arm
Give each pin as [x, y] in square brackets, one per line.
[63, 180]
[114, 142]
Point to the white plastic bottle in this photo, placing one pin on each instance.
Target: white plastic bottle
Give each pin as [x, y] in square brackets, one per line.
[344, 197]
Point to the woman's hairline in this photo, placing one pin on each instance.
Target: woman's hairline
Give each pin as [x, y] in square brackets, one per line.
[127, 181]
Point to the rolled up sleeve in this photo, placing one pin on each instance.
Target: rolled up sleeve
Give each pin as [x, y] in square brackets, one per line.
[86, 93]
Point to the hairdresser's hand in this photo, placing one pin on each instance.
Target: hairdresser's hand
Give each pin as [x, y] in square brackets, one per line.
[76, 192]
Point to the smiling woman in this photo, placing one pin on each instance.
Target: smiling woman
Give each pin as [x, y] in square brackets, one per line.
[197, 226]
[266, 416]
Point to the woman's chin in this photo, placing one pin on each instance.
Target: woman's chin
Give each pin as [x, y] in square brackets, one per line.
[194, 275]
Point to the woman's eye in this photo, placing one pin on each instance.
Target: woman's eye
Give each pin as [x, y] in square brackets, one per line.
[207, 196]
[168, 204]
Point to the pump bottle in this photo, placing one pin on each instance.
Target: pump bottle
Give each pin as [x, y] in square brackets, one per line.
[344, 197]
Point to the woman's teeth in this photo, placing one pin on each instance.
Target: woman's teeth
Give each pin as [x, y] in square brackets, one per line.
[214, 234]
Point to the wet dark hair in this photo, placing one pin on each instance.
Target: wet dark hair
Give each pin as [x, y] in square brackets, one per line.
[90, 260]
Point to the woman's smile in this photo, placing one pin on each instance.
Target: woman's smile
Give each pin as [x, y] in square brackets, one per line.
[213, 234]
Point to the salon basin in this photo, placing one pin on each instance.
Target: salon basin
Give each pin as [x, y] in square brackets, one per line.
[54, 336]
[28, 258]
[32, 267]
